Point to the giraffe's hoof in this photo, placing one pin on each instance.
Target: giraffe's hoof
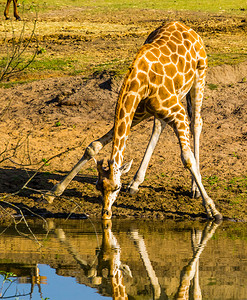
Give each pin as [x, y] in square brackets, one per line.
[218, 218]
[133, 191]
[48, 197]
[195, 194]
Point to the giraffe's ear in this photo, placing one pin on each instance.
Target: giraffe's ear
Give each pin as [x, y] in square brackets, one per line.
[126, 167]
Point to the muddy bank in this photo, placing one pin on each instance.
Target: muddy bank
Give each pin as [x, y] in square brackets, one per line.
[45, 118]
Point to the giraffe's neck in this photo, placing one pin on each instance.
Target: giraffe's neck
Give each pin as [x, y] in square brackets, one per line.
[131, 93]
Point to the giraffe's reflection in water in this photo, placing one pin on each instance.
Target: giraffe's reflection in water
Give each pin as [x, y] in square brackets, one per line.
[107, 270]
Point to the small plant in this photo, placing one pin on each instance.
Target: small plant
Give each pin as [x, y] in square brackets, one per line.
[41, 50]
[212, 86]
[213, 179]
[45, 161]
[234, 154]
[58, 123]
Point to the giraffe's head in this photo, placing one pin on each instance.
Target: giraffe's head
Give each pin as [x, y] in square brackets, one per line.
[109, 184]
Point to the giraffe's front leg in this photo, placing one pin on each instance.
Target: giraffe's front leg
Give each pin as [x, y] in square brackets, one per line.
[89, 153]
[158, 127]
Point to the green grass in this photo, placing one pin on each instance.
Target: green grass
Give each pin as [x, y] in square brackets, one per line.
[216, 59]
[87, 62]
[191, 5]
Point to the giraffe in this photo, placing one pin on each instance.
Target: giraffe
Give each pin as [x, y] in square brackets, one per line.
[171, 64]
[109, 257]
[189, 274]
[6, 11]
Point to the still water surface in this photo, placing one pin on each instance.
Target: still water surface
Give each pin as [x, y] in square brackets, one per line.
[88, 259]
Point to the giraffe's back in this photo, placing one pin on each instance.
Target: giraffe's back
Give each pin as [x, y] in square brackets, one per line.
[166, 65]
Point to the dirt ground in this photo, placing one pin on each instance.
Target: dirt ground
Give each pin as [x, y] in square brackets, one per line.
[42, 119]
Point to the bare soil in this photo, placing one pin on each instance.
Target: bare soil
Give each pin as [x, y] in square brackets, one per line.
[45, 118]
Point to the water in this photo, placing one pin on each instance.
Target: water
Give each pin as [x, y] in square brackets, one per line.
[83, 259]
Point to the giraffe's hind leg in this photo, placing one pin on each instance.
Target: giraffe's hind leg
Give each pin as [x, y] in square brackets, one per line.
[158, 127]
[194, 103]
[189, 161]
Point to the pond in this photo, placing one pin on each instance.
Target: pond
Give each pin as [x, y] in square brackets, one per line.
[138, 259]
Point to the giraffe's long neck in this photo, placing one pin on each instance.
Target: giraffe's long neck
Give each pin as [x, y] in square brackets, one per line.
[131, 93]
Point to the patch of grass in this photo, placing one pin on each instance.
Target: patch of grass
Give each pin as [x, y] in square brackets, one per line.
[212, 86]
[55, 64]
[58, 123]
[217, 59]
[210, 5]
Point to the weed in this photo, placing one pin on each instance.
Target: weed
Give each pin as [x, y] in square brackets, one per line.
[45, 161]
[212, 179]
[212, 86]
[58, 123]
[234, 154]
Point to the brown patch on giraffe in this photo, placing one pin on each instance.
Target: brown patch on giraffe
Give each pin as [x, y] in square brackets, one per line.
[142, 65]
[156, 51]
[193, 35]
[180, 117]
[171, 70]
[160, 42]
[186, 35]
[150, 57]
[134, 86]
[163, 93]
[171, 102]
[181, 50]
[169, 85]
[188, 56]
[181, 64]
[117, 157]
[187, 44]
[142, 77]
[164, 59]
[175, 39]
[171, 28]
[177, 34]
[187, 67]
[178, 81]
[172, 46]
[193, 64]
[158, 68]
[176, 108]
[129, 103]
[122, 113]
[181, 126]
[174, 58]
[191, 74]
[155, 78]
[121, 129]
